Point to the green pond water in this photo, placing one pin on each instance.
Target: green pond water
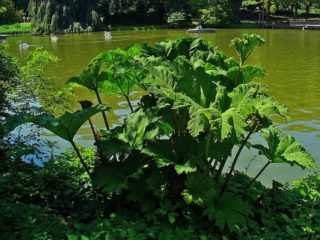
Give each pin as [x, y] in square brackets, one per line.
[291, 59]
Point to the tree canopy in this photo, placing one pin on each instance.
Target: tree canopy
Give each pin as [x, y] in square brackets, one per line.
[85, 15]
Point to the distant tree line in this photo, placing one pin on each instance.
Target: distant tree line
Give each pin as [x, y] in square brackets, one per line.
[8, 12]
[89, 15]
[61, 15]
[86, 15]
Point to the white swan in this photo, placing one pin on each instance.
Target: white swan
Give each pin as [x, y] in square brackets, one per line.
[54, 38]
[23, 45]
[107, 35]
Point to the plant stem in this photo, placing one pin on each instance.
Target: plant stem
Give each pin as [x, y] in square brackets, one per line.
[207, 142]
[259, 173]
[128, 100]
[213, 167]
[85, 166]
[206, 157]
[103, 112]
[95, 138]
[93, 131]
[215, 164]
[224, 187]
[221, 166]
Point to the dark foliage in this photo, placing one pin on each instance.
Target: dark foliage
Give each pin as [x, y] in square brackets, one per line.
[8, 80]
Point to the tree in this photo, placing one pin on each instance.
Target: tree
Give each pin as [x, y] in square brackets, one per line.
[21, 4]
[197, 5]
[8, 13]
[64, 16]
[219, 13]
[308, 4]
[177, 19]
[235, 7]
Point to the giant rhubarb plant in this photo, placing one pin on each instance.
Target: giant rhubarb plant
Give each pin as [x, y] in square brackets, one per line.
[201, 109]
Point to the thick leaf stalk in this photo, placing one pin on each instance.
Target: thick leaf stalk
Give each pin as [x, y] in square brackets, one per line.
[244, 142]
[85, 166]
[258, 174]
[105, 119]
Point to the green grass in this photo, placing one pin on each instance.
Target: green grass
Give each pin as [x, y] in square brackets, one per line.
[16, 28]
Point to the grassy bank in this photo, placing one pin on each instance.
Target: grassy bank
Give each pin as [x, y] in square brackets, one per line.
[16, 28]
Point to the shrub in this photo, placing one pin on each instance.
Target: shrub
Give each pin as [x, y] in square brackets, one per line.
[8, 13]
[54, 26]
[177, 19]
[216, 15]
[77, 28]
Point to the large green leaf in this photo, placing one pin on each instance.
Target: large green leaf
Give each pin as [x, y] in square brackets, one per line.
[284, 149]
[122, 70]
[230, 211]
[112, 145]
[250, 72]
[114, 176]
[200, 189]
[229, 125]
[245, 45]
[199, 44]
[189, 48]
[251, 99]
[242, 96]
[182, 155]
[162, 152]
[194, 82]
[91, 77]
[232, 124]
[120, 81]
[113, 57]
[267, 107]
[187, 167]
[200, 119]
[139, 127]
[66, 126]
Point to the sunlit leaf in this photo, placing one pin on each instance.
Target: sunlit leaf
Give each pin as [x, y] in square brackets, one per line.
[284, 149]
[245, 45]
[66, 126]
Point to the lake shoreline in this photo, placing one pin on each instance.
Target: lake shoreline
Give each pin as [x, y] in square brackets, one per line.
[156, 27]
[243, 25]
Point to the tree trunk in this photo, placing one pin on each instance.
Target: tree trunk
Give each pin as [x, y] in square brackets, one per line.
[277, 7]
[268, 12]
[295, 10]
[308, 6]
[235, 7]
